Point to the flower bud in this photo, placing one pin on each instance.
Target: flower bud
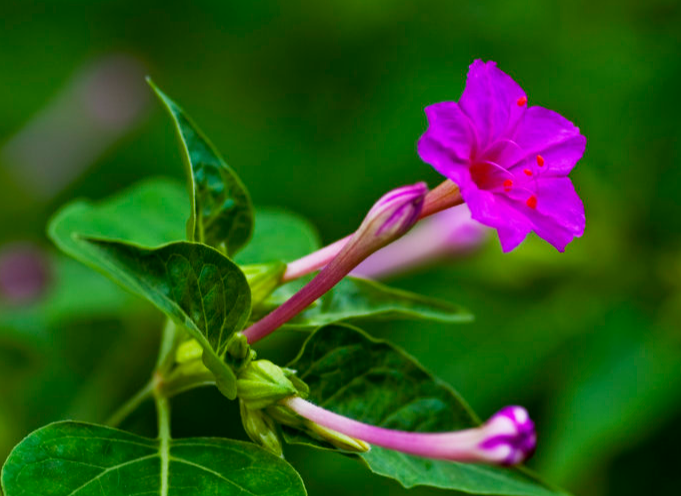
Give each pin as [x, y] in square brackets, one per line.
[508, 438]
[390, 217]
[261, 429]
[262, 384]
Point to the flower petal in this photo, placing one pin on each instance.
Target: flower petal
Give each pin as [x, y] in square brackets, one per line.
[449, 126]
[448, 142]
[490, 99]
[547, 133]
[559, 216]
[501, 213]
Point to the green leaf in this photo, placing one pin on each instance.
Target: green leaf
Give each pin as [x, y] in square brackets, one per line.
[279, 236]
[194, 284]
[221, 212]
[373, 382]
[150, 213]
[78, 459]
[361, 299]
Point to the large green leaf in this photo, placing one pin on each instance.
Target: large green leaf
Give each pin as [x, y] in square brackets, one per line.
[78, 459]
[361, 299]
[374, 382]
[195, 285]
[150, 213]
[221, 212]
[279, 236]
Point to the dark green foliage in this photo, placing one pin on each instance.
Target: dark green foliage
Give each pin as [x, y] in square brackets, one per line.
[373, 382]
[78, 459]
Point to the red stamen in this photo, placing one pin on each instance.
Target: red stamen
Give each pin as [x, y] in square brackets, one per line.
[540, 161]
[508, 184]
[532, 202]
[522, 101]
[527, 172]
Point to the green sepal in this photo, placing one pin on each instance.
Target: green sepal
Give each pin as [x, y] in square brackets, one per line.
[263, 279]
[261, 429]
[239, 353]
[262, 384]
[337, 439]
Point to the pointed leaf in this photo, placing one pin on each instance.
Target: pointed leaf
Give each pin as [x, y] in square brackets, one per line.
[221, 212]
[195, 285]
[357, 299]
[176, 278]
[79, 459]
[150, 213]
[374, 382]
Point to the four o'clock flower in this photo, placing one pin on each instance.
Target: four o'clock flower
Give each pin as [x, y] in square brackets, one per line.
[390, 217]
[509, 160]
[508, 438]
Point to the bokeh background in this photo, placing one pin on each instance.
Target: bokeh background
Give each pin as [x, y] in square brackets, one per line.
[318, 106]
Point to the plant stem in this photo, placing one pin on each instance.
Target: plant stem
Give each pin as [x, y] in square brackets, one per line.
[163, 412]
[132, 404]
[169, 342]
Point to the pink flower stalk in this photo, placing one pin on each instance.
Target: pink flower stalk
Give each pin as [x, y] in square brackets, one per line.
[450, 233]
[445, 196]
[390, 217]
[511, 162]
[507, 438]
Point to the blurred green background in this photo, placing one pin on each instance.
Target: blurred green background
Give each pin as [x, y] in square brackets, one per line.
[318, 106]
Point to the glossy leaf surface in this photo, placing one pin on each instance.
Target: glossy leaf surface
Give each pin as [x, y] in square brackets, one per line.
[361, 299]
[150, 213]
[78, 459]
[221, 210]
[195, 285]
[374, 382]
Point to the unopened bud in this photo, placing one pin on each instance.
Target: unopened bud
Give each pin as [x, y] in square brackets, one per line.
[510, 437]
[390, 217]
[261, 429]
[262, 384]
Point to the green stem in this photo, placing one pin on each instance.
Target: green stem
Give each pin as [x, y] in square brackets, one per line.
[132, 404]
[163, 412]
[170, 339]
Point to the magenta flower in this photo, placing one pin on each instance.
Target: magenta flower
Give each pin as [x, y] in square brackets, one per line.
[508, 438]
[511, 162]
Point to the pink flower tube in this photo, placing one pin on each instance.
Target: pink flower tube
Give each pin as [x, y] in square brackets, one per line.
[507, 438]
[390, 217]
[447, 234]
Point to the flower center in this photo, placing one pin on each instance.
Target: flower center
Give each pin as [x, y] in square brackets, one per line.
[488, 175]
